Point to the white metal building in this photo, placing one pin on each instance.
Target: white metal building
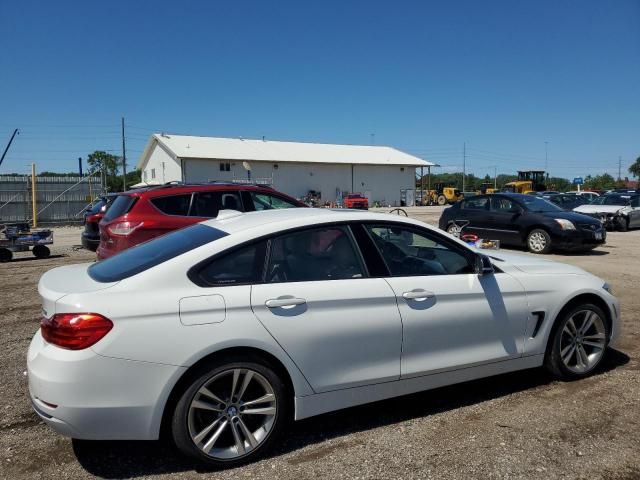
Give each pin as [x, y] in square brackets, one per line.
[379, 172]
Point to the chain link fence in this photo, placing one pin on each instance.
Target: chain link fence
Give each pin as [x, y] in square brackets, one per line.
[58, 199]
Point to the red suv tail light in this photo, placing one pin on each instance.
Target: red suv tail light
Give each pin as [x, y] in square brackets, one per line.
[75, 331]
[123, 228]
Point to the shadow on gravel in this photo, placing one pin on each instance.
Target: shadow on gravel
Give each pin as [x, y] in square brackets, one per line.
[30, 259]
[118, 459]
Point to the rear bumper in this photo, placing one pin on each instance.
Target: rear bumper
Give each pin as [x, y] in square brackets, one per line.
[90, 242]
[81, 394]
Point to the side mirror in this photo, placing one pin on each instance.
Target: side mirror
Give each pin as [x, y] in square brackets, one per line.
[483, 265]
[516, 210]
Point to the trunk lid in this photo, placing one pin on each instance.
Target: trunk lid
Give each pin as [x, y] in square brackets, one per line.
[62, 281]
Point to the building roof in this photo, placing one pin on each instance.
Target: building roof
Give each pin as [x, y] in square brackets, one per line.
[183, 146]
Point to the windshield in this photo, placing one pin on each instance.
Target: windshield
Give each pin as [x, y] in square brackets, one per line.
[610, 200]
[538, 204]
[142, 257]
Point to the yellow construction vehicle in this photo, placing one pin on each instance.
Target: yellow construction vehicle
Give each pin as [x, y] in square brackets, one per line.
[486, 187]
[442, 195]
[528, 181]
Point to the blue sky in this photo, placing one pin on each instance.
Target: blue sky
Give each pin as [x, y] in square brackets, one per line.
[425, 77]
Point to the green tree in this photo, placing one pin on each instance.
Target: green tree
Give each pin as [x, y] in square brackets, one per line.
[634, 169]
[109, 167]
[600, 182]
[559, 184]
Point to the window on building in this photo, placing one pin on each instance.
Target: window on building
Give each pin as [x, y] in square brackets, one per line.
[225, 167]
[144, 175]
[153, 173]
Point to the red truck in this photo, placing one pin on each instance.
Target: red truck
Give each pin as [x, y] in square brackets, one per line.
[356, 200]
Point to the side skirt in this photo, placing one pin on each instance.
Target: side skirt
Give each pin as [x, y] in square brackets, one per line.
[319, 403]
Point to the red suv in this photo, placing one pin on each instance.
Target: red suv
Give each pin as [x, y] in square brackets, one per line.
[140, 215]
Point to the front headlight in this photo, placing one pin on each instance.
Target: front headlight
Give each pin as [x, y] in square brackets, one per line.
[565, 224]
[607, 287]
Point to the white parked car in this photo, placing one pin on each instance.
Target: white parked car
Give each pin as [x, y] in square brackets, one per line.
[590, 195]
[221, 332]
[615, 211]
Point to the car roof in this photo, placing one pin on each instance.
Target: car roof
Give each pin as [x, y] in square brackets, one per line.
[175, 188]
[267, 221]
[515, 196]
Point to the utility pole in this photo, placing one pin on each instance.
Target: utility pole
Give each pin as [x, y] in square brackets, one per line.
[373, 138]
[619, 168]
[34, 209]
[495, 177]
[124, 161]
[546, 157]
[464, 165]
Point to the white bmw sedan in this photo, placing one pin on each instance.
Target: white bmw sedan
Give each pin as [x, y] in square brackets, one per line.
[221, 332]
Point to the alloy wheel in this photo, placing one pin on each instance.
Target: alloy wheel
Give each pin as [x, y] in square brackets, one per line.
[232, 414]
[537, 241]
[454, 230]
[582, 341]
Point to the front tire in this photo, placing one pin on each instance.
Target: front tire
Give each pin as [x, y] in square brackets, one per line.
[442, 200]
[622, 224]
[231, 413]
[539, 241]
[578, 343]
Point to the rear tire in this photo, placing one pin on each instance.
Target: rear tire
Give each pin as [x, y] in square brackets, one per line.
[240, 437]
[5, 255]
[539, 241]
[575, 352]
[454, 229]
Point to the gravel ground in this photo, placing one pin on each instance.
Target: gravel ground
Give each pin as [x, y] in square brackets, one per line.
[520, 425]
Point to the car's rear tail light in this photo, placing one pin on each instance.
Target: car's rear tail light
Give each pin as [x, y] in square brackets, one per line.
[75, 331]
[96, 217]
[123, 228]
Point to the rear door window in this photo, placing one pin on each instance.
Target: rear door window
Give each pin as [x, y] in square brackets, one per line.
[326, 253]
[475, 203]
[146, 255]
[206, 204]
[121, 205]
[231, 201]
[241, 266]
[173, 204]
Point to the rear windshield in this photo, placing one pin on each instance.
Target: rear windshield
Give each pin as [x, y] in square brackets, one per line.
[154, 252]
[121, 205]
[95, 208]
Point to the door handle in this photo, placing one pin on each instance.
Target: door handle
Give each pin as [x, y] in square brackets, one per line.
[284, 302]
[420, 295]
